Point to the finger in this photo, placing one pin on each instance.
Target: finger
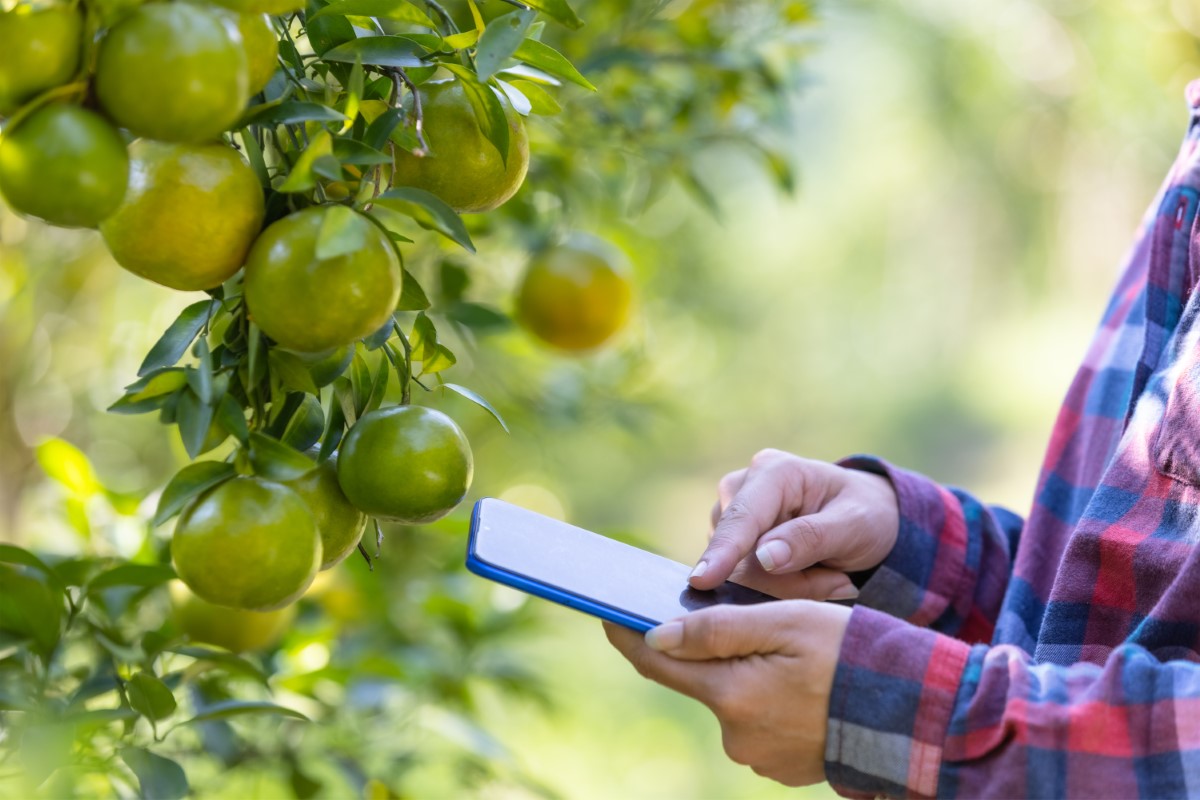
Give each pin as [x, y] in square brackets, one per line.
[750, 513]
[802, 541]
[814, 583]
[695, 680]
[727, 487]
[724, 632]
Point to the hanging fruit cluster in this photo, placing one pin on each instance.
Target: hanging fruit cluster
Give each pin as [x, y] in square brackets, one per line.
[278, 157]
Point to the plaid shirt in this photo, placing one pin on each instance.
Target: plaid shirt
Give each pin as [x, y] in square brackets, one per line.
[1059, 655]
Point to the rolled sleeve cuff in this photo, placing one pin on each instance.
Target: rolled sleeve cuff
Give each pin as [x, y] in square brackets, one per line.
[922, 576]
[890, 708]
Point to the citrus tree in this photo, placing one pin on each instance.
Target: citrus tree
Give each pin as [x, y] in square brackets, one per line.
[314, 170]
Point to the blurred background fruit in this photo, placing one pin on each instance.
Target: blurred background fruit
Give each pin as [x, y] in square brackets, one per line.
[41, 51]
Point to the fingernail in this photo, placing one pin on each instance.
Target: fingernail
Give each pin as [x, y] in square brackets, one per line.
[699, 570]
[773, 555]
[847, 592]
[667, 636]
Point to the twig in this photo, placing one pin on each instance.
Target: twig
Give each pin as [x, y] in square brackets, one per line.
[438, 9]
[400, 75]
[367, 556]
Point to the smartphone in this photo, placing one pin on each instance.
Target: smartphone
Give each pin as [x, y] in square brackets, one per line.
[586, 571]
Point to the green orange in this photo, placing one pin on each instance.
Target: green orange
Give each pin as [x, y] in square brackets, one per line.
[258, 41]
[248, 543]
[64, 164]
[230, 628]
[40, 51]
[189, 217]
[311, 303]
[339, 523]
[405, 463]
[463, 167]
[575, 296]
[262, 6]
[173, 71]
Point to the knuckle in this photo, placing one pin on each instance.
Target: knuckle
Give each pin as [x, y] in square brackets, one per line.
[767, 456]
[807, 534]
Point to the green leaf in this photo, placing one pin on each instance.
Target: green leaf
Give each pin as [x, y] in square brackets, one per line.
[11, 554]
[150, 697]
[65, 463]
[335, 427]
[223, 658]
[147, 393]
[158, 778]
[550, 61]
[499, 41]
[234, 708]
[200, 377]
[360, 383]
[557, 10]
[540, 101]
[342, 231]
[175, 341]
[458, 41]
[378, 131]
[303, 177]
[379, 51]
[232, 417]
[481, 318]
[189, 482]
[275, 460]
[412, 296]
[194, 417]
[143, 575]
[478, 400]
[423, 338]
[379, 387]
[429, 211]
[352, 151]
[398, 10]
[489, 111]
[443, 359]
[518, 101]
[31, 605]
[293, 112]
[305, 427]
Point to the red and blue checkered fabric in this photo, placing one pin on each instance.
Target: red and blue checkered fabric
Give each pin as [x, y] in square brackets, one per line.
[1060, 655]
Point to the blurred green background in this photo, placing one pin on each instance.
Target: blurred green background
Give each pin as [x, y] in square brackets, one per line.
[970, 176]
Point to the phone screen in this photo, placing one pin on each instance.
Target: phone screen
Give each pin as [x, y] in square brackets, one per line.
[552, 554]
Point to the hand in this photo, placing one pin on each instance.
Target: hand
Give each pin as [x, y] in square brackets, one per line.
[792, 513]
[765, 670]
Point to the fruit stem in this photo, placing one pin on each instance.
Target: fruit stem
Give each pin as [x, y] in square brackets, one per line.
[405, 388]
[378, 538]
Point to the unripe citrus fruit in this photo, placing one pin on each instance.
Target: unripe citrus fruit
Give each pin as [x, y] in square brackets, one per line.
[309, 303]
[65, 165]
[174, 72]
[464, 169]
[576, 295]
[230, 628]
[41, 51]
[189, 217]
[339, 523]
[248, 543]
[262, 6]
[259, 43]
[405, 463]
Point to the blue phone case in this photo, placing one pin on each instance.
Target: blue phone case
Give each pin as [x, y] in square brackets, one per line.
[551, 593]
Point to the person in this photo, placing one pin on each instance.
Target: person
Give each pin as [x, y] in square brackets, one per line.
[985, 656]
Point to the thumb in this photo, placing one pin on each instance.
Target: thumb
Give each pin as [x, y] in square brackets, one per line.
[722, 632]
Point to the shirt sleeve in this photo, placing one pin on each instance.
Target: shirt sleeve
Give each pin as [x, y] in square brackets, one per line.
[952, 560]
[918, 713]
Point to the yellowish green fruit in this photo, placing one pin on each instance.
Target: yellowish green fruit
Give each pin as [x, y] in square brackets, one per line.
[230, 628]
[189, 217]
[405, 463]
[39, 50]
[463, 168]
[273, 7]
[174, 72]
[309, 303]
[64, 164]
[339, 523]
[259, 42]
[575, 296]
[248, 543]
